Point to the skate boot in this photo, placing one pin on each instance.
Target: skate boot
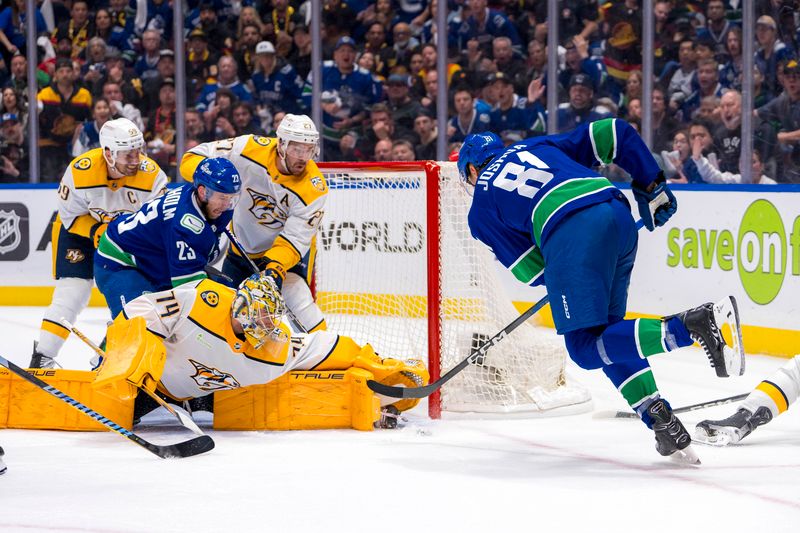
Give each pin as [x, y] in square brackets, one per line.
[2, 464]
[39, 360]
[705, 325]
[390, 416]
[732, 429]
[672, 439]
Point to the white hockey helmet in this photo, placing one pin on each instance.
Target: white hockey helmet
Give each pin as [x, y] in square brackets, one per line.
[120, 135]
[297, 128]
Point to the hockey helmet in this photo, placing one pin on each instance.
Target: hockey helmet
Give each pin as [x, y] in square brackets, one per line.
[299, 129]
[259, 308]
[218, 175]
[478, 149]
[120, 135]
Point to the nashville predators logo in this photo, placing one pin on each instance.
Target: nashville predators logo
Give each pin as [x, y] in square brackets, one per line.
[210, 297]
[84, 163]
[263, 141]
[211, 379]
[147, 166]
[266, 210]
[74, 255]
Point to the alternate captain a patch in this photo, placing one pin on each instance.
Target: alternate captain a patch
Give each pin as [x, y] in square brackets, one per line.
[211, 379]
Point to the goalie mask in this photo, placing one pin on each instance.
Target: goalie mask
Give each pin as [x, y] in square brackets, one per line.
[123, 146]
[259, 308]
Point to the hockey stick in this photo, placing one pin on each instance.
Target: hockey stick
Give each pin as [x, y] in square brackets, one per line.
[183, 417]
[678, 410]
[255, 269]
[477, 353]
[194, 446]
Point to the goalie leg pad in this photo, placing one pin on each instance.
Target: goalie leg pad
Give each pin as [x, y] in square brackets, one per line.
[24, 406]
[133, 354]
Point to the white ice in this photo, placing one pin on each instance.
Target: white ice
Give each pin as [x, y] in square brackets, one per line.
[576, 473]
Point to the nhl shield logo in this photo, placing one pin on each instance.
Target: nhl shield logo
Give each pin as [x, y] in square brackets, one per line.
[10, 234]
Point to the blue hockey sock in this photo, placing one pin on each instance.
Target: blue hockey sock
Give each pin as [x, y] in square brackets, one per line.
[634, 380]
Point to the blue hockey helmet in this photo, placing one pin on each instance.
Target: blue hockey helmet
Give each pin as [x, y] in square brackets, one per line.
[218, 175]
[478, 149]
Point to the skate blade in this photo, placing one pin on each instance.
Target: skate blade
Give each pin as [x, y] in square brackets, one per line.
[714, 437]
[726, 314]
[686, 456]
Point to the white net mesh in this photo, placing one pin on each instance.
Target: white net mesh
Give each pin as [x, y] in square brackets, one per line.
[371, 282]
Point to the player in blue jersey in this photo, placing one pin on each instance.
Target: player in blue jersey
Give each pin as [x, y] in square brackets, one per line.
[552, 220]
[171, 239]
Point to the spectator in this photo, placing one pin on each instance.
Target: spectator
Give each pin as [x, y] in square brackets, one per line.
[665, 45]
[623, 53]
[19, 74]
[381, 126]
[377, 46]
[467, 119]
[227, 78]
[402, 150]
[12, 102]
[122, 16]
[578, 110]
[300, 56]
[117, 39]
[94, 68]
[634, 113]
[716, 29]
[219, 116]
[730, 75]
[201, 62]
[249, 15]
[145, 66]
[709, 110]
[678, 165]
[404, 109]
[195, 127]
[680, 84]
[62, 107]
[537, 60]
[87, 134]
[484, 24]
[662, 124]
[428, 133]
[728, 136]
[512, 117]
[13, 154]
[336, 15]
[710, 174]
[383, 150]
[77, 29]
[513, 66]
[275, 87]
[12, 35]
[278, 20]
[430, 55]
[771, 51]
[220, 39]
[707, 85]
[152, 86]
[244, 121]
[245, 55]
[160, 134]
[404, 44]
[158, 16]
[577, 60]
[784, 114]
[633, 89]
[119, 106]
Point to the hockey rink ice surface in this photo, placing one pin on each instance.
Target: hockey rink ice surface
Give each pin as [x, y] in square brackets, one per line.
[568, 474]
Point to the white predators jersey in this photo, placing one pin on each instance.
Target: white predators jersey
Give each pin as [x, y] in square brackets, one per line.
[203, 353]
[87, 195]
[272, 204]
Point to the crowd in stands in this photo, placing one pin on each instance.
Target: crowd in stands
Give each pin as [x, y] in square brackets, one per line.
[248, 63]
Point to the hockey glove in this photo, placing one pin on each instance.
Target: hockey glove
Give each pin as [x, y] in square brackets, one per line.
[96, 232]
[276, 271]
[657, 205]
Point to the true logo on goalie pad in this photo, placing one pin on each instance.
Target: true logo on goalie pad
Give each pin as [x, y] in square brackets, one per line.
[74, 255]
[211, 379]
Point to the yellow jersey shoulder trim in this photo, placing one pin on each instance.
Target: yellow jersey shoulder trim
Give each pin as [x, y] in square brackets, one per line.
[89, 170]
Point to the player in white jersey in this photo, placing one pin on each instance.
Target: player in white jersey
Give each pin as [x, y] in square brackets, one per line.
[97, 186]
[770, 398]
[217, 338]
[283, 197]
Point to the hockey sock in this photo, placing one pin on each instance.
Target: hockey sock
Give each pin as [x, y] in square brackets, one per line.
[626, 340]
[70, 297]
[778, 392]
[635, 381]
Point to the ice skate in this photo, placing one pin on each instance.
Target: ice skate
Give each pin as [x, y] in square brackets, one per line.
[672, 439]
[732, 429]
[706, 324]
[39, 360]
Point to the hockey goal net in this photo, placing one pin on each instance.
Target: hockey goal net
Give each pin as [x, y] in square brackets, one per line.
[397, 268]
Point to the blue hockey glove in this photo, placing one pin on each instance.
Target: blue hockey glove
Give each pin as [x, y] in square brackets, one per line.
[655, 206]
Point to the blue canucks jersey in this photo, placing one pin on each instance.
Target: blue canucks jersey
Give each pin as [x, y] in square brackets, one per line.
[533, 184]
[282, 90]
[169, 239]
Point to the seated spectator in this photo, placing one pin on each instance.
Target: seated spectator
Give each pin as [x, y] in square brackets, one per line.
[512, 116]
[195, 127]
[13, 102]
[716, 29]
[249, 15]
[467, 118]
[158, 16]
[730, 75]
[94, 68]
[662, 124]
[430, 56]
[675, 160]
[275, 86]
[707, 85]
[160, 134]
[227, 78]
[783, 113]
[300, 56]
[245, 55]
[381, 126]
[201, 62]
[708, 110]
[383, 150]
[577, 61]
[376, 45]
[633, 89]
[220, 39]
[218, 117]
[145, 66]
[579, 110]
[119, 106]
[513, 66]
[428, 133]
[279, 18]
[117, 39]
[728, 136]
[710, 174]
[402, 150]
[13, 31]
[484, 24]
[152, 86]
[244, 121]
[87, 134]
[129, 84]
[403, 45]
[680, 84]
[404, 109]
[771, 51]
[13, 145]
[77, 29]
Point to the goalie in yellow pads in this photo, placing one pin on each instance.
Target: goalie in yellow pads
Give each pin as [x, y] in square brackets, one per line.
[216, 338]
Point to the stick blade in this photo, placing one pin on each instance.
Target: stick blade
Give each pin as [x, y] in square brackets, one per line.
[399, 392]
[189, 448]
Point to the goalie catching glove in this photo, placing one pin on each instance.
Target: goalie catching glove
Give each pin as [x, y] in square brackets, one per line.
[656, 203]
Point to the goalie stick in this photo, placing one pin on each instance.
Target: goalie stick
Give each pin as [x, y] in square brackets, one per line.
[678, 410]
[180, 414]
[194, 446]
[477, 353]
